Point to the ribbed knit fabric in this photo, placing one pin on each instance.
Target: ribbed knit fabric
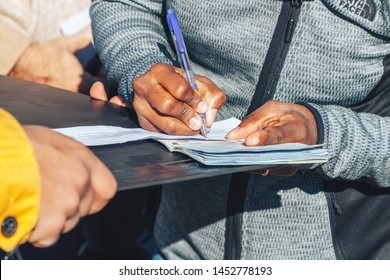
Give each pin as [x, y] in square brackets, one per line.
[334, 61]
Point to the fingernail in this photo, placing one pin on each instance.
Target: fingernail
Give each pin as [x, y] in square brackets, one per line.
[195, 124]
[202, 107]
[253, 141]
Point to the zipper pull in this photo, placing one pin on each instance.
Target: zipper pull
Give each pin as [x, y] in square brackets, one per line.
[289, 30]
[295, 4]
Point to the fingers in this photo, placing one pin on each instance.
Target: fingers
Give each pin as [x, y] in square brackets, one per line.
[154, 121]
[74, 183]
[175, 83]
[254, 122]
[78, 41]
[164, 100]
[103, 187]
[118, 101]
[97, 91]
[47, 230]
[272, 113]
[277, 122]
[213, 96]
[272, 135]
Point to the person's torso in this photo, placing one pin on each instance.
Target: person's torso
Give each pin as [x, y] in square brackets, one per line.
[335, 56]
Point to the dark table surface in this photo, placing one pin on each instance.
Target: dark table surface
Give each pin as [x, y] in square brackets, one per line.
[134, 165]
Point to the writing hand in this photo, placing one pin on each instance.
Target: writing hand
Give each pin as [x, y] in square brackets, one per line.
[74, 183]
[164, 101]
[277, 122]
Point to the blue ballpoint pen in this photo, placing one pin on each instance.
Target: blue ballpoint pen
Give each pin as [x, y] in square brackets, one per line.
[181, 52]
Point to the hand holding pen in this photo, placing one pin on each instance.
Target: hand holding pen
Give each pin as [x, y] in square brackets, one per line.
[167, 101]
[182, 56]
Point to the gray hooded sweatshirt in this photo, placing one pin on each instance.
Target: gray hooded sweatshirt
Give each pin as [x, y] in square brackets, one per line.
[327, 54]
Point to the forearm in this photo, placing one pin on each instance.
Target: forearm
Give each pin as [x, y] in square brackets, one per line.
[19, 183]
[129, 38]
[359, 144]
[17, 19]
[12, 45]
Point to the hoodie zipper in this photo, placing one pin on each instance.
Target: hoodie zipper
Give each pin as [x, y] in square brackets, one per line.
[277, 53]
[265, 90]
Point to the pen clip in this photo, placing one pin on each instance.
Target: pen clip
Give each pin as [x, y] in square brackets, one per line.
[182, 56]
[174, 28]
[180, 47]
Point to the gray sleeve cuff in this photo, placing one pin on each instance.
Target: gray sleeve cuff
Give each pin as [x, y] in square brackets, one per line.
[358, 144]
[318, 119]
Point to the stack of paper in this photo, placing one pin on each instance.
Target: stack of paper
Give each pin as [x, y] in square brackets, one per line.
[236, 153]
[215, 150]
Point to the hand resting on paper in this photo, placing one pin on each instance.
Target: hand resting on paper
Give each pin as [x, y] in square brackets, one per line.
[277, 122]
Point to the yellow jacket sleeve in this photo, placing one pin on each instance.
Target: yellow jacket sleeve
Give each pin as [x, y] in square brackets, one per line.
[19, 184]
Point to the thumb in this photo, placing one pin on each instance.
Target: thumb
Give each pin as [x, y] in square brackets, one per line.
[118, 101]
[78, 41]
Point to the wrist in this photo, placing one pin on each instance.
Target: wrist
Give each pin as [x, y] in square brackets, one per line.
[316, 125]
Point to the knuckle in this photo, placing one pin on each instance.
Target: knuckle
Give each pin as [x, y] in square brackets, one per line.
[85, 154]
[170, 128]
[184, 112]
[218, 97]
[184, 91]
[81, 178]
[221, 96]
[72, 203]
[272, 103]
[137, 104]
[248, 119]
[157, 67]
[139, 84]
[154, 68]
[167, 105]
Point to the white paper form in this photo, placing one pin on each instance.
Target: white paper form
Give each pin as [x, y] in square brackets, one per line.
[215, 150]
[107, 135]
